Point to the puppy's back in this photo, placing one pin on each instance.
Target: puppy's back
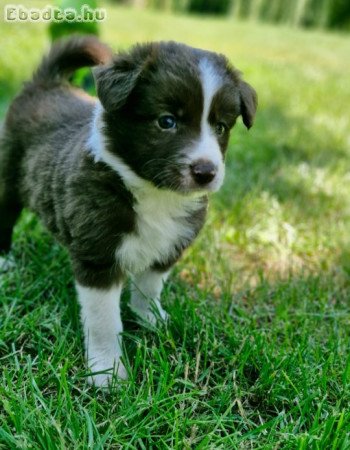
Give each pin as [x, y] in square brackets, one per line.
[42, 136]
[48, 101]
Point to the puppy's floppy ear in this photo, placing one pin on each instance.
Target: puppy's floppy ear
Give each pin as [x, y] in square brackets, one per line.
[115, 82]
[249, 103]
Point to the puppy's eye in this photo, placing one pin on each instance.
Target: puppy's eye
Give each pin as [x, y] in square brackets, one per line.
[167, 122]
[220, 129]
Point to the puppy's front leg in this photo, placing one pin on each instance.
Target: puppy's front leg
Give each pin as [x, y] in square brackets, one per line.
[100, 313]
[146, 288]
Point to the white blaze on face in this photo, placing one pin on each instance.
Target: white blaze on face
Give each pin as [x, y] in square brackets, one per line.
[207, 147]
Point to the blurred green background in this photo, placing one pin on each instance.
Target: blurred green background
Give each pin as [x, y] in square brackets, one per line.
[334, 14]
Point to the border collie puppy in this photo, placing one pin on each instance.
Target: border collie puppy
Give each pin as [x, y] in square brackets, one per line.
[122, 180]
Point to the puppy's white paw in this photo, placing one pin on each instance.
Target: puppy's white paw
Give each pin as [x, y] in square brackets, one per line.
[104, 370]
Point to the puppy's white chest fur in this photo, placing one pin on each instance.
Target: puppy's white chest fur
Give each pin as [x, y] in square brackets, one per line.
[161, 228]
[162, 224]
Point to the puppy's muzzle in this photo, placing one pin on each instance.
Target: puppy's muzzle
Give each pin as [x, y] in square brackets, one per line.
[203, 172]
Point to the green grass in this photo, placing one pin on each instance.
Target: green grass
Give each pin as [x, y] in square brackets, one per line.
[257, 351]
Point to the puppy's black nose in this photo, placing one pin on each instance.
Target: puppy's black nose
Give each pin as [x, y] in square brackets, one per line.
[203, 172]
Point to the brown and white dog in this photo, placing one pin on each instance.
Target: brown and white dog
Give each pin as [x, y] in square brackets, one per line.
[122, 180]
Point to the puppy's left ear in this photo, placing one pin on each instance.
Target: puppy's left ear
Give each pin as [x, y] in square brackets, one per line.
[249, 103]
[115, 82]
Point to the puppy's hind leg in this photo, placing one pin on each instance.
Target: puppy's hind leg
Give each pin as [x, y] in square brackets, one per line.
[146, 288]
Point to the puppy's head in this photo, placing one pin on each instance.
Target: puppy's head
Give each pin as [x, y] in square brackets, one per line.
[168, 112]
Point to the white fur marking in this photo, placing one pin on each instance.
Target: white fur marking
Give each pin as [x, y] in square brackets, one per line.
[95, 142]
[100, 314]
[211, 82]
[131, 179]
[207, 147]
[160, 225]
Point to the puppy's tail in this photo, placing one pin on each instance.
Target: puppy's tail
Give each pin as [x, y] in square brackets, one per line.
[68, 55]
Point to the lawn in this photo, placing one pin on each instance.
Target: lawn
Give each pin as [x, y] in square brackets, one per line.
[256, 355]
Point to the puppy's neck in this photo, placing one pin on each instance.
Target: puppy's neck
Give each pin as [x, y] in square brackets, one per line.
[97, 146]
